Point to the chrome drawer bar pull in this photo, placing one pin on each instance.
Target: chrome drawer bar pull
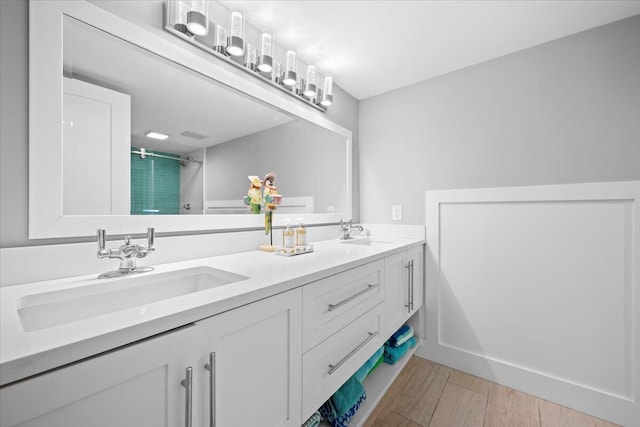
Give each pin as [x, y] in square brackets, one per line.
[211, 367]
[412, 285]
[409, 285]
[333, 368]
[352, 297]
[187, 383]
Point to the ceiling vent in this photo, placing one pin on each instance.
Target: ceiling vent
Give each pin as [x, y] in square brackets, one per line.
[193, 135]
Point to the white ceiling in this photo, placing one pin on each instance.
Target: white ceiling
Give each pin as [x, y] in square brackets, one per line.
[372, 47]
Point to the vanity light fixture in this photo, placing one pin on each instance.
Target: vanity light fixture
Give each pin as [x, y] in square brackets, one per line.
[156, 135]
[290, 76]
[255, 54]
[235, 42]
[326, 98]
[266, 53]
[197, 23]
[310, 86]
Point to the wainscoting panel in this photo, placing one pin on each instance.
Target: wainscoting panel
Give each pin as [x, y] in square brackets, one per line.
[537, 288]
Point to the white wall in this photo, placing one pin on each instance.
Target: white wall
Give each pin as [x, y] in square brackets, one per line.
[562, 112]
[14, 114]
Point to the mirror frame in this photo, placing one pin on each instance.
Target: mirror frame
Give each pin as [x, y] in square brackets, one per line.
[46, 218]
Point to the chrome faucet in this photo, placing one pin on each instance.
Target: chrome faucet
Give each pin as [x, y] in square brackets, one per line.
[347, 228]
[126, 253]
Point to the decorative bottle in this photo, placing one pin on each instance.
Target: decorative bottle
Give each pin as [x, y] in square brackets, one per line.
[288, 237]
[301, 235]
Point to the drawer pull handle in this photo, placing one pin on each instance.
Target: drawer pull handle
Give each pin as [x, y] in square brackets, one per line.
[333, 368]
[352, 297]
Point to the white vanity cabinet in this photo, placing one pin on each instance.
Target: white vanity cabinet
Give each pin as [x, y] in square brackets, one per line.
[271, 362]
[138, 385]
[404, 288]
[343, 318]
[254, 352]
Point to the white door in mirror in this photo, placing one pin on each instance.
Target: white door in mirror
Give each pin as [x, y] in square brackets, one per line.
[97, 134]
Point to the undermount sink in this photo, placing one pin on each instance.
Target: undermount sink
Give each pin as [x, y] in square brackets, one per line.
[365, 242]
[49, 309]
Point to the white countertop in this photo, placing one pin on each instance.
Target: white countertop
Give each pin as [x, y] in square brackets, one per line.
[23, 353]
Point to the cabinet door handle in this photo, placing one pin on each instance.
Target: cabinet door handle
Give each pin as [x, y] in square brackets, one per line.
[211, 367]
[411, 271]
[352, 297]
[187, 383]
[333, 368]
[409, 267]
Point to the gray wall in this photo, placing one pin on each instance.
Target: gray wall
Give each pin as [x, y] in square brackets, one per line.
[563, 112]
[14, 114]
[313, 164]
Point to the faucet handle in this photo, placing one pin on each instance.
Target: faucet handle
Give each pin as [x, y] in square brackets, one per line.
[151, 237]
[102, 238]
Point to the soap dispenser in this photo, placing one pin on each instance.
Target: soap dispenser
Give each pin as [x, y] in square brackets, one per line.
[288, 237]
[301, 234]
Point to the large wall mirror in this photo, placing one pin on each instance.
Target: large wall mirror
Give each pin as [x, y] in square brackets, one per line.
[99, 84]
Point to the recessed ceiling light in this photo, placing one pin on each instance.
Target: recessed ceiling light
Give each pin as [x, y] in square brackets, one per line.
[156, 135]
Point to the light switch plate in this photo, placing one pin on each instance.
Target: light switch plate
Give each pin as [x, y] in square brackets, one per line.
[396, 212]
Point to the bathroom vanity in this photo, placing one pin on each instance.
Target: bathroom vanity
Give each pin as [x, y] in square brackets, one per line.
[252, 339]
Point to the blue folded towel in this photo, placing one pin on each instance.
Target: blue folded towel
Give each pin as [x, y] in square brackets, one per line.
[344, 403]
[401, 336]
[365, 369]
[313, 421]
[393, 354]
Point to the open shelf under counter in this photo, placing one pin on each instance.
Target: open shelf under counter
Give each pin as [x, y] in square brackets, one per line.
[376, 385]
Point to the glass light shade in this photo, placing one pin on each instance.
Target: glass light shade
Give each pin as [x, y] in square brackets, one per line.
[235, 43]
[299, 85]
[237, 25]
[277, 72]
[310, 86]
[327, 92]
[290, 68]
[291, 63]
[266, 53]
[221, 39]
[252, 56]
[266, 45]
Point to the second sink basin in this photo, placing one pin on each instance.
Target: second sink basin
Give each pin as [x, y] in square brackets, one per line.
[366, 241]
[49, 309]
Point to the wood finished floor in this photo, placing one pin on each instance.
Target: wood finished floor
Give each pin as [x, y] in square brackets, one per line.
[427, 394]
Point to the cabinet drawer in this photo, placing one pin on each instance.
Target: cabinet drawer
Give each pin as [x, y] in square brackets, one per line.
[330, 304]
[329, 365]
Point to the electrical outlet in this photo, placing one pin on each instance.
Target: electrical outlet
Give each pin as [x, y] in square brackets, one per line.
[396, 212]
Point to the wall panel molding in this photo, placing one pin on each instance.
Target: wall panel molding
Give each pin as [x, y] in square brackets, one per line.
[538, 288]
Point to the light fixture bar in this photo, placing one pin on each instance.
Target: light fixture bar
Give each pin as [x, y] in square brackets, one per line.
[232, 47]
